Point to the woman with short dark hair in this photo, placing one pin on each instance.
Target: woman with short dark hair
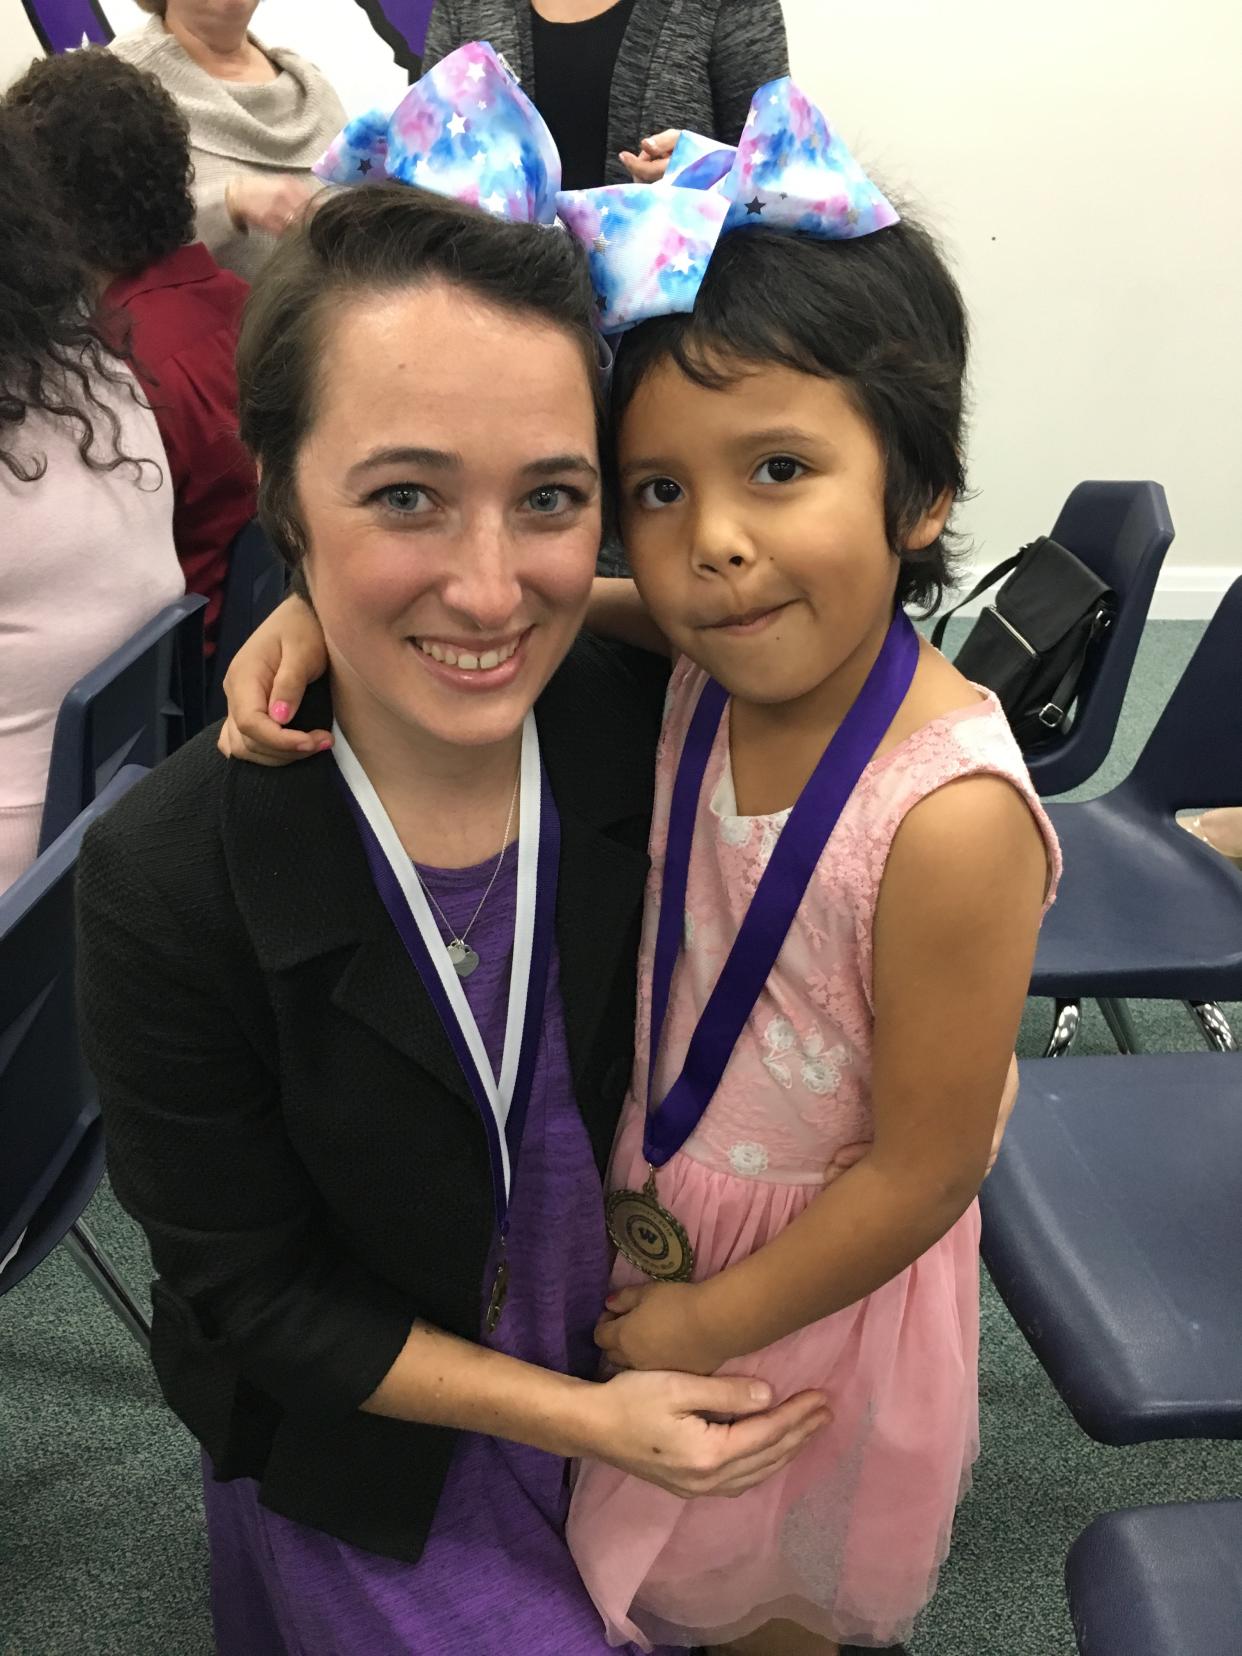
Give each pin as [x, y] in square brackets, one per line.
[362, 1027]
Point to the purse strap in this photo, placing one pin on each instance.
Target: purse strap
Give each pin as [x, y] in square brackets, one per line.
[1053, 713]
[990, 579]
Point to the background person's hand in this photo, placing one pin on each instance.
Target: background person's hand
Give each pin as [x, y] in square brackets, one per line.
[265, 684]
[270, 204]
[651, 163]
[652, 1425]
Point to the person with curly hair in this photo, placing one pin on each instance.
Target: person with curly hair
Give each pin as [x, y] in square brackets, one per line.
[116, 149]
[259, 117]
[86, 545]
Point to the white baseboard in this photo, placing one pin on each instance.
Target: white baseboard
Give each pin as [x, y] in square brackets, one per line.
[1191, 592]
[1185, 592]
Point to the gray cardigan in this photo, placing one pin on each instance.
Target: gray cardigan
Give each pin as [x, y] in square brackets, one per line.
[683, 63]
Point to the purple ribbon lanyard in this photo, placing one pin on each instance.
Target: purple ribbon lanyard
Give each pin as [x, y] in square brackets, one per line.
[781, 889]
[394, 900]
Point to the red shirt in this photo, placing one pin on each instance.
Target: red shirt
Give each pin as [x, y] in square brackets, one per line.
[185, 312]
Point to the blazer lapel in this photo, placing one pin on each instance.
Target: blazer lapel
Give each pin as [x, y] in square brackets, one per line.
[301, 880]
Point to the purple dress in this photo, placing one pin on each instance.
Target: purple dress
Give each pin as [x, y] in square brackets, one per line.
[496, 1575]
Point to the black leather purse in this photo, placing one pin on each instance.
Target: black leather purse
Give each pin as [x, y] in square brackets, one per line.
[1031, 644]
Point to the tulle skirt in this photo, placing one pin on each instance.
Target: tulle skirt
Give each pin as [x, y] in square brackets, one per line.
[848, 1540]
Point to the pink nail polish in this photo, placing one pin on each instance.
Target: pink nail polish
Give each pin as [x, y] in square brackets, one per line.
[323, 746]
[280, 711]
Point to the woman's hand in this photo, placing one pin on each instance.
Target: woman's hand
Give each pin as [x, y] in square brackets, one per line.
[650, 165]
[270, 204]
[265, 683]
[657, 1326]
[653, 1426]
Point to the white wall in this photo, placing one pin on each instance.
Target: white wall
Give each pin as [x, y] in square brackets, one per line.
[1082, 163]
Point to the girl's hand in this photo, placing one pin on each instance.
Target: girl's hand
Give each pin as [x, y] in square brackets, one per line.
[657, 1327]
[652, 1425]
[270, 204]
[265, 683]
[650, 165]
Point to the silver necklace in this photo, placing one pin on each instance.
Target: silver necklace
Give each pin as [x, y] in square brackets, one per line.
[465, 960]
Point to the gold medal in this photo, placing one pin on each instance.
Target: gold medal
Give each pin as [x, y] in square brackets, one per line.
[648, 1235]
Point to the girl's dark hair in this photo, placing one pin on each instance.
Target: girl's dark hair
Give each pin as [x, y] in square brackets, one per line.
[52, 355]
[376, 239]
[117, 148]
[880, 314]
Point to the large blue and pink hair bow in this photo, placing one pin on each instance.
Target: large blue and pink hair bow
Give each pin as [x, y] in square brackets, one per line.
[467, 130]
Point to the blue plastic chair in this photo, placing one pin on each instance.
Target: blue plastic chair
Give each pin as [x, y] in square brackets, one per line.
[1146, 911]
[256, 584]
[1121, 531]
[1112, 1228]
[135, 708]
[51, 1136]
[1159, 1581]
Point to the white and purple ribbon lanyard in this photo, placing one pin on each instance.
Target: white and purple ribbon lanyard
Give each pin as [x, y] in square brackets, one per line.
[502, 1101]
[779, 895]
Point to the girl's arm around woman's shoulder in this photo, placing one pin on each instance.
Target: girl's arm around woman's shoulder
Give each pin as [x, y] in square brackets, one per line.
[954, 940]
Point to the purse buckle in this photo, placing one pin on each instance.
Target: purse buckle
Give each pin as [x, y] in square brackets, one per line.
[1052, 716]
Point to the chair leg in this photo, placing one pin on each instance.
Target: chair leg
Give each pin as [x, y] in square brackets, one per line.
[1065, 1029]
[1117, 1017]
[1214, 1024]
[100, 1271]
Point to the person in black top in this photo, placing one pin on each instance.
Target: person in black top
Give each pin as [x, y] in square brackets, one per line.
[575, 59]
[617, 80]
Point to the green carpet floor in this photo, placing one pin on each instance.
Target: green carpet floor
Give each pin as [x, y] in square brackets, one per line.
[101, 1533]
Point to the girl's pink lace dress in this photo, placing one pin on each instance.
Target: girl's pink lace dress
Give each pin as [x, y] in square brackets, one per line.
[849, 1539]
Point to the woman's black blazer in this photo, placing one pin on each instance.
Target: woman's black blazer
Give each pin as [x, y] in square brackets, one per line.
[284, 1114]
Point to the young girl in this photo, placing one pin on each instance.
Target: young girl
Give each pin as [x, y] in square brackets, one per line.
[787, 457]
[849, 866]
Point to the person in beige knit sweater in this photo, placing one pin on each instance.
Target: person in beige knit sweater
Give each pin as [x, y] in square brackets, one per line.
[259, 118]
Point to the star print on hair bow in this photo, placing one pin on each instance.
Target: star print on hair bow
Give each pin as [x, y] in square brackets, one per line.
[465, 130]
[650, 244]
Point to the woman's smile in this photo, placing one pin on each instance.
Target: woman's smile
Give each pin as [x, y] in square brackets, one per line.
[476, 668]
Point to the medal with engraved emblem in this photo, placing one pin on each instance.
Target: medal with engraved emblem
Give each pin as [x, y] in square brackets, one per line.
[648, 1235]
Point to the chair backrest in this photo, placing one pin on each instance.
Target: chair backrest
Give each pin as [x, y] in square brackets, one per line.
[135, 708]
[256, 584]
[1121, 531]
[1194, 755]
[47, 1098]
